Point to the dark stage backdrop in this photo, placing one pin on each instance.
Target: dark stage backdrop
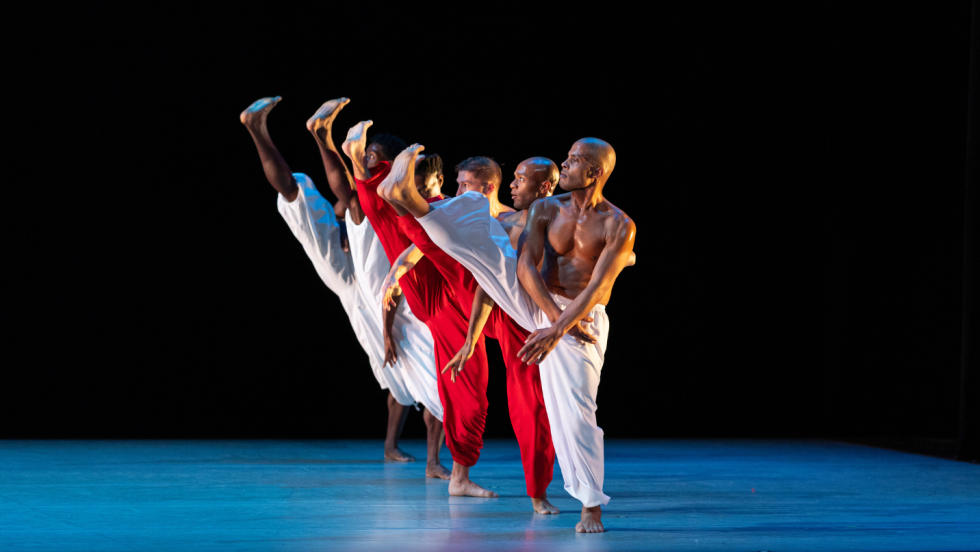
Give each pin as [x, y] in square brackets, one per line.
[794, 174]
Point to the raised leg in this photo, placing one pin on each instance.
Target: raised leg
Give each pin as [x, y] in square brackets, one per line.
[276, 170]
[396, 421]
[341, 183]
[434, 437]
[398, 188]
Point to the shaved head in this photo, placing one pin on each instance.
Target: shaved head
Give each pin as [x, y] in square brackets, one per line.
[590, 162]
[544, 169]
[534, 178]
[599, 153]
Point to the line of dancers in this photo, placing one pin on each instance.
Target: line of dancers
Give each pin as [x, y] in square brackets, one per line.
[425, 279]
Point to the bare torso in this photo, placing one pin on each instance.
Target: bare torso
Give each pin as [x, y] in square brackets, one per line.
[576, 239]
[513, 223]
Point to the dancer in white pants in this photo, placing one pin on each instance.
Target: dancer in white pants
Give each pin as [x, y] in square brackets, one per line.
[354, 267]
[356, 277]
[584, 242]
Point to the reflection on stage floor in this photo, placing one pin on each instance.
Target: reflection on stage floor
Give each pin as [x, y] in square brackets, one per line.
[339, 495]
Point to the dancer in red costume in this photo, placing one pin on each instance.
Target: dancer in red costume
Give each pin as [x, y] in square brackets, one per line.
[527, 409]
[432, 300]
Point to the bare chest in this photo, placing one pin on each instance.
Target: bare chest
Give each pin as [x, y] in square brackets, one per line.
[581, 236]
[514, 226]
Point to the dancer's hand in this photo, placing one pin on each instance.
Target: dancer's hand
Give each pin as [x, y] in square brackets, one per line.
[581, 332]
[541, 342]
[458, 361]
[391, 355]
[538, 345]
[392, 290]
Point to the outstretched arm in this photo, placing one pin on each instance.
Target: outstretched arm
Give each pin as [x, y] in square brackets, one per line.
[320, 126]
[479, 313]
[405, 262]
[391, 354]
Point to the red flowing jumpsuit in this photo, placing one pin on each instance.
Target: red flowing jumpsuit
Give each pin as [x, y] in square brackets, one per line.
[524, 398]
[433, 302]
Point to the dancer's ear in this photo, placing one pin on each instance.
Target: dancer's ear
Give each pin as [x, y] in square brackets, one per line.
[596, 172]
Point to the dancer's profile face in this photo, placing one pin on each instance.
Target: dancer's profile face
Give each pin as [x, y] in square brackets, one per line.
[527, 185]
[428, 186]
[469, 182]
[373, 155]
[577, 171]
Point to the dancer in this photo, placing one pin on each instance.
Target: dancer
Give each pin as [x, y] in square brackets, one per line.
[584, 242]
[527, 412]
[534, 179]
[433, 301]
[355, 276]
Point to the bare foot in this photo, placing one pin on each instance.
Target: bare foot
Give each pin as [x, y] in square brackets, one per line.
[436, 470]
[323, 118]
[542, 506]
[400, 182]
[591, 521]
[254, 116]
[398, 455]
[460, 484]
[356, 141]
[469, 488]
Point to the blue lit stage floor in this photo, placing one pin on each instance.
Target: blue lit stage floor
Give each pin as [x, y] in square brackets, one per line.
[338, 495]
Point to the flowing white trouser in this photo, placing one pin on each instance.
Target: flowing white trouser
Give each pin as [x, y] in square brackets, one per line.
[463, 228]
[356, 278]
[416, 366]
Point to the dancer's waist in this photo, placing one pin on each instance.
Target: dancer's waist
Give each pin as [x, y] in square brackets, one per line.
[563, 302]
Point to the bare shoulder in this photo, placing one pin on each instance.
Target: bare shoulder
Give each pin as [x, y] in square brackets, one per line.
[618, 222]
[505, 217]
[558, 200]
[548, 206]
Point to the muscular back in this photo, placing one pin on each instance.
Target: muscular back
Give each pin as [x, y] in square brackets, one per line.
[575, 240]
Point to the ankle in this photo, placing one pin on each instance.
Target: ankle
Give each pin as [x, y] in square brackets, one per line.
[460, 471]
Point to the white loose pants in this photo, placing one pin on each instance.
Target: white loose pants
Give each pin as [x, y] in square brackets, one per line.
[463, 228]
[357, 277]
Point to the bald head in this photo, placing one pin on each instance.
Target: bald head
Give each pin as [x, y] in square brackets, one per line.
[544, 170]
[534, 178]
[599, 153]
[590, 161]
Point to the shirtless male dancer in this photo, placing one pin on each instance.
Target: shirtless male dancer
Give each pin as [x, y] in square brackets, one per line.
[582, 242]
[527, 411]
[433, 300]
[355, 275]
